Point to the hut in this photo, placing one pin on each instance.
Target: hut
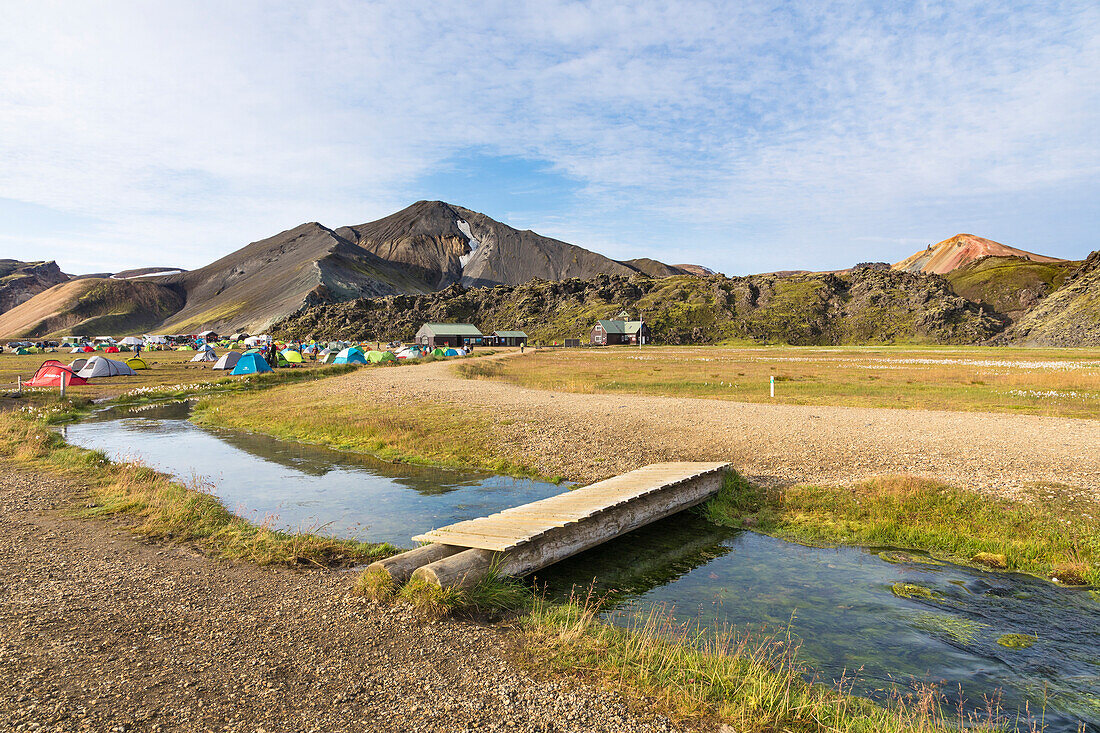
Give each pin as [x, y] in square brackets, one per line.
[435, 335]
[509, 338]
[610, 333]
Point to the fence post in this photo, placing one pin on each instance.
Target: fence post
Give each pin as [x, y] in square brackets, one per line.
[19, 384]
[773, 386]
[64, 379]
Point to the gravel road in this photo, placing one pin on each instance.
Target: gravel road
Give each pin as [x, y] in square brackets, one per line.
[587, 437]
[100, 631]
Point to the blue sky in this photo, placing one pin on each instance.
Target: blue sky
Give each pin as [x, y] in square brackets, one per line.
[745, 136]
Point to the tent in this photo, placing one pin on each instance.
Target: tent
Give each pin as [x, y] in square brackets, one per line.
[204, 355]
[328, 358]
[87, 349]
[101, 366]
[350, 355]
[438, 352]
[375, 357]
[185, 348]
[250, 364]
[294, 357]
[51, 373]
[461, 351]
[451, 352]
[111, 350]
[77, 365]
[136, 363]
[132, 341]
[22, 351]
[228, 361]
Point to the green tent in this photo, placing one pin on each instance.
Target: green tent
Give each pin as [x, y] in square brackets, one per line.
[438, 352]
[21, 351]
[375, 357]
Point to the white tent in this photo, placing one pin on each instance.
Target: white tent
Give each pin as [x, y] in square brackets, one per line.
[101, 366]
[253, 341]
[77, 350]
[132, 341]
[157, 339]
[228, 360]
[205, 355]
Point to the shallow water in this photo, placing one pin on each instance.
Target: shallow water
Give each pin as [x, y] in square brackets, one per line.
[836, 602]
[301, 487]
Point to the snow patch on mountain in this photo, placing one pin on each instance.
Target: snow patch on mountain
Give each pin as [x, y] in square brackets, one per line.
[464, 227]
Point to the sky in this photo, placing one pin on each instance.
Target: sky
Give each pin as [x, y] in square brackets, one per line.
[748, 137]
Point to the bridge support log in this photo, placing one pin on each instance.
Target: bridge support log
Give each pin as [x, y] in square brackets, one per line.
[467, 568]
[400, 568]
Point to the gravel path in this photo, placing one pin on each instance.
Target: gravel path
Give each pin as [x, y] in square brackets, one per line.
[592, 436]
[102, 632]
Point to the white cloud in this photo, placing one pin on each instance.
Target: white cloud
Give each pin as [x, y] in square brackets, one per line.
[755, 136]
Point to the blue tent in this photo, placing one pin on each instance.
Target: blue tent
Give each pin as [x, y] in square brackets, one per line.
[250, 364]
[350, 355]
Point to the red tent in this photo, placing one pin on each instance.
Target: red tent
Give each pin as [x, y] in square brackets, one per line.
[88, 349]
[51, 373]
[112, 350]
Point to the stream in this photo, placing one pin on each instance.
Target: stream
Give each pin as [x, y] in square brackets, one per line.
[837, 604]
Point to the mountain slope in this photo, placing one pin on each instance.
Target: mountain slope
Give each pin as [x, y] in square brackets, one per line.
[959, 250]
[92, 307]
[1068, 317]
[865, 305]
[1008, 285]
[267, 280]
[21, 281]
[440, 244]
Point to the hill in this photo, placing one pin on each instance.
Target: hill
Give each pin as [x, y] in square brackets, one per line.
[865, 305]
[1009, 285]
[945, 256]
[1068, 317]
[21, 281]
[92, 307]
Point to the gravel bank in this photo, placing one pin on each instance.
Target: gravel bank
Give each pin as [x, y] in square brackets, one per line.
[100, 631]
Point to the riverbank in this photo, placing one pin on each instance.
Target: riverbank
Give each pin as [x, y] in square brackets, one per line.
[103, 631]
[1012, 492]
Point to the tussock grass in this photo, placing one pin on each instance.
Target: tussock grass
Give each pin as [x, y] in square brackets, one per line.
[914, 513]
[493, 596]
[375, 585]
[157, 507]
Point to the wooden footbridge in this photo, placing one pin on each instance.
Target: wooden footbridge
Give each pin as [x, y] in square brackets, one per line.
[527, 538]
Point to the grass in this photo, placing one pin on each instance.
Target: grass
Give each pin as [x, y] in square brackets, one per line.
[1017, 641]
[1041, 538]
[1058, 382]
[154, 506]
[429, 433]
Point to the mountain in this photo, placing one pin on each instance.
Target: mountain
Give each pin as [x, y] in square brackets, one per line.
[267, 280]
[960, 249]
[93, 307]
[1068, 317]
[425, 247]
[440, 244]
[864, 305]
[21, 281]
[1009, 285]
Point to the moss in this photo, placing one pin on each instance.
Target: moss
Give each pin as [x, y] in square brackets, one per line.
[1017, 641]
[907, 558]
[956, 629]
[912, 590]
[990, 560]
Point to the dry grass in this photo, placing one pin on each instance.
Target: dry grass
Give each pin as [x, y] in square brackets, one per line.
[1059, 382]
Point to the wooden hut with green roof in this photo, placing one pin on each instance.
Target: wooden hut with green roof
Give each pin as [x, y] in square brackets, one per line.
[433, 335]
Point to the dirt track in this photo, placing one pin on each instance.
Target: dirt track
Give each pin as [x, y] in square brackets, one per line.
[101, 632]
[592, 436]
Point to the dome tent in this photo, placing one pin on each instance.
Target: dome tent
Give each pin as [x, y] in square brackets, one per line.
[136, 363]
[292, 355]
[101, 366]
[375, 357]
[51, 374]
[250, 364]
[228, 361]
[204, 356]
[350, 355]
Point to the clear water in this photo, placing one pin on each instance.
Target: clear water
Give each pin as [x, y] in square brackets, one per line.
[836, 602]
[301, 487]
